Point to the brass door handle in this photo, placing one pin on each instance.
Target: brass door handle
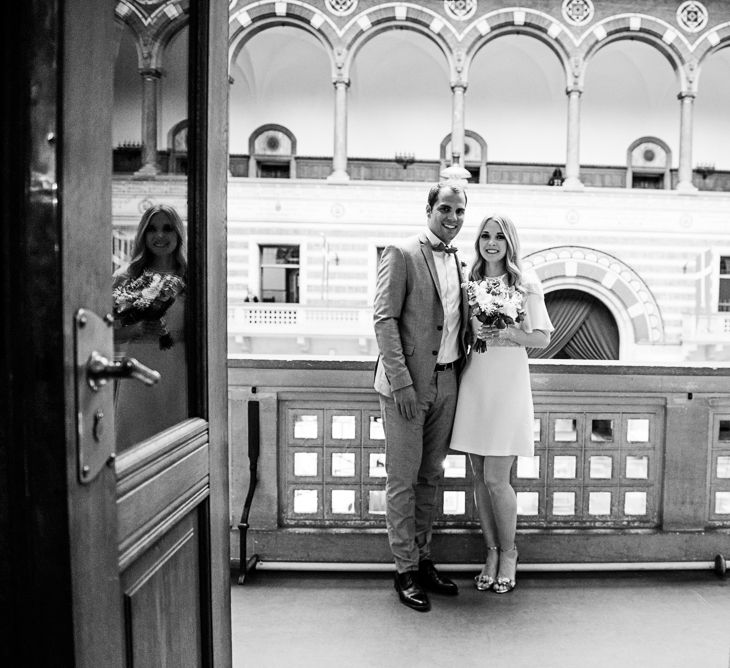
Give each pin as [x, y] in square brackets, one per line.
[100, 369]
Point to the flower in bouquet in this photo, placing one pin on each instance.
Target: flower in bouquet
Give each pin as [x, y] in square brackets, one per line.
[494, 304]
[147, 299]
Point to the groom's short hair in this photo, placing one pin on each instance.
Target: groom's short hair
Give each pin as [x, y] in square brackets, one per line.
[435, 191]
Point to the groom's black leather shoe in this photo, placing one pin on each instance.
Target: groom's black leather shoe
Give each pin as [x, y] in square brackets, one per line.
[410, 592]
[430, 579]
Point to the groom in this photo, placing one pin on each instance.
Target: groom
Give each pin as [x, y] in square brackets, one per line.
[420, 317]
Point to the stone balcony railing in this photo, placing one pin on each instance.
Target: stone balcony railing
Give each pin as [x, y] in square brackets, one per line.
[631, 465]
[268, 318]
[300, 325]
[300, 322]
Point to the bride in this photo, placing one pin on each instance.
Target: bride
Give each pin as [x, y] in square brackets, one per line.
[494, 412]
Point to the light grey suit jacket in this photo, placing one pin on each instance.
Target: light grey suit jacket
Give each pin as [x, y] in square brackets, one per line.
[408, 316]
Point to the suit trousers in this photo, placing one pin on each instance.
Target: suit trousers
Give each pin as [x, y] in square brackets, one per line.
[414, 454]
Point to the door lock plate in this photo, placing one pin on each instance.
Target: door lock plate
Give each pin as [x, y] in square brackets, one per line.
[94, 401]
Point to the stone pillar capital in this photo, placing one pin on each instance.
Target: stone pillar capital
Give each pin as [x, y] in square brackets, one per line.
[150, 73]
[340, 81]
[686, 94]
[458, 84]
[570, 90]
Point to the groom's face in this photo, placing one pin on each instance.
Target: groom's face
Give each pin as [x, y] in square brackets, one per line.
[446, 216]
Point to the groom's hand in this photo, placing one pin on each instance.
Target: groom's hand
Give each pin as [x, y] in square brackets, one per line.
[406, 401]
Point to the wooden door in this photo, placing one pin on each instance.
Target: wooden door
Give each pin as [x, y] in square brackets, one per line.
[109, 558]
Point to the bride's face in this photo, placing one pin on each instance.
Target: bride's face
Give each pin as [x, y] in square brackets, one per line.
[493, 244]
[160, 236]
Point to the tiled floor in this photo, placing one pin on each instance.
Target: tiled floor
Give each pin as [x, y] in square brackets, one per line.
[604, 620]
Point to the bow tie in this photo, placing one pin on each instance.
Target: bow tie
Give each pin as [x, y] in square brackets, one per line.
[441, 247]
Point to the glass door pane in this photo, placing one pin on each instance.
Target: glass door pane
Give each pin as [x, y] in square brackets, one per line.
[150, 226]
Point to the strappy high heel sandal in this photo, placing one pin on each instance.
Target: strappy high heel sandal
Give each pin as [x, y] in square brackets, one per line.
[504, 585]
[485, 581]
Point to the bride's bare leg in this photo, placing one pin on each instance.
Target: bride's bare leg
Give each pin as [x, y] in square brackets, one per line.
[486, 519]
[504, 511]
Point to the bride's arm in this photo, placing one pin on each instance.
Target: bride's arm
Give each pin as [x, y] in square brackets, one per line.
[537, 338]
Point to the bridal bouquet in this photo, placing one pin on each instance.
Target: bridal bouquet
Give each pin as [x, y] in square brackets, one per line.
[494, 304]
[146, 299]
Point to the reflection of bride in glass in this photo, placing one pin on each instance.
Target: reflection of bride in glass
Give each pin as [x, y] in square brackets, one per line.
[149, 314]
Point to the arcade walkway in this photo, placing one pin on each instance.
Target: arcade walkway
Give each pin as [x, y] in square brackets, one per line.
[602, 620]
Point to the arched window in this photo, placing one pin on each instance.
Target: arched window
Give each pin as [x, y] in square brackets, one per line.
[584, 328]
[475, 155]
[648, 164]
[272, 149]
[177, 144]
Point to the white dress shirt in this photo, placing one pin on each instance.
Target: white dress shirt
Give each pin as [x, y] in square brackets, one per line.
[450, 292]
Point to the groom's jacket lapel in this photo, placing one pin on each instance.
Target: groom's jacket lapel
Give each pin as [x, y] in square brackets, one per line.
[428, 256]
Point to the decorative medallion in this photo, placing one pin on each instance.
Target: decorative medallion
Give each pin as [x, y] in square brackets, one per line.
[460, 9]
[578, 12]
[692, 16]
[144, 205]
[341, 7]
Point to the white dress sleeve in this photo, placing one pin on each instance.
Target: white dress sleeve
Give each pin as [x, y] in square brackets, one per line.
[536, 314]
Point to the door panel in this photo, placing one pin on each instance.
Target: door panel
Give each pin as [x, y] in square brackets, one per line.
[128, 566]
[162, 600]
[158, 484]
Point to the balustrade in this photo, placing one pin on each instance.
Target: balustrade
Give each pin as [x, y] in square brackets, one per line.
[631, 464]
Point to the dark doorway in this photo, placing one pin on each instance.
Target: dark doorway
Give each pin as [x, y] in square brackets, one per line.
[584, 328]
[274, 170]
[648, 181]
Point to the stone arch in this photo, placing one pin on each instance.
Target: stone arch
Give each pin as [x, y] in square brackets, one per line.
[668, 41]
[276, 127]
[153, 31]
[617, 285]
[521, 21]
[255, 18]
[166, 33]
[712, 42]
[358, 38]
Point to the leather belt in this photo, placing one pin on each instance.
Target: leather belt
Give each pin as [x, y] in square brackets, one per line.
[447, 366]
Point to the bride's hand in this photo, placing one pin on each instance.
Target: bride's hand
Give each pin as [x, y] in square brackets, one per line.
[487, 332]
[508, 333]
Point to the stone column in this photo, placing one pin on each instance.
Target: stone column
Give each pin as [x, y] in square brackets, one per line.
[339, 156]
[231, 81]
[572, 158]
[458, 126]
[686, 101]
[150, 88]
